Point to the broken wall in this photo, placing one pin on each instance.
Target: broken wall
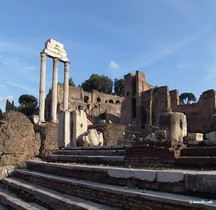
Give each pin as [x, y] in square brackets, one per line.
[93, 103]
[199, 115]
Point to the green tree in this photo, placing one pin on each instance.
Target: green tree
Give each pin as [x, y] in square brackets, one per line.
[28, 104]
[9, 105]
[102, 84]
[187, 98]
[119, 87]
[71, 83]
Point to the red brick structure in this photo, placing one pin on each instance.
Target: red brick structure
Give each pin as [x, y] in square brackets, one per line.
[94, 103]
[199, 115]
[131, 110]
[143, 104]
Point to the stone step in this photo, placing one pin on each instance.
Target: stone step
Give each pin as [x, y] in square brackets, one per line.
[196, 161]
[9, 200]
[197, 151]
[89, 159]
[99, 152]
[115, 196]
[169, 180]
[106, 147]
[50, 198]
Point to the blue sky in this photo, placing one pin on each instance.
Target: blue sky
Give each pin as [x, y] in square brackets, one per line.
[172, 41]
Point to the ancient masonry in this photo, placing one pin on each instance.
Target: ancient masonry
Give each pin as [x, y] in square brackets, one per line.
[95, 104]
[144, 103]
[141, 107]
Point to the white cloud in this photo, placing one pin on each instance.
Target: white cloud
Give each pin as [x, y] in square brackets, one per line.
[29, 90]
[162, 52]
[8, 46]
[19, 68]
[113, 65]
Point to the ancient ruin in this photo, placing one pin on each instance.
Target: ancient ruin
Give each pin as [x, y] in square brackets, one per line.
[56, 51]
[144, 103]
[141, 107]
[97, 151]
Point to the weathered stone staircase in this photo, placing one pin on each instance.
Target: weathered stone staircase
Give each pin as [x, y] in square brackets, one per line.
[110, 155]
[94, 178]
[197, 157]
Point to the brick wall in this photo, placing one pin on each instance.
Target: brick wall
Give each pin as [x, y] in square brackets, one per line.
[199, 115]
[88, 101]
[143, 156]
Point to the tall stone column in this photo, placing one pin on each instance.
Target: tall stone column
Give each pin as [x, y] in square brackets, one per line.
[54, 90]
[42, 88]
[66, 84]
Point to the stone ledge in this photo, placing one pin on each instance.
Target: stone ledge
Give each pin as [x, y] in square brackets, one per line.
[12, 201]
[51, 198]
[88, 188]
[181, 181]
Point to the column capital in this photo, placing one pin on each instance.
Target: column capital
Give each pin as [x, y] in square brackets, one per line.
[43, 56]
[55, 59]
[67, 64]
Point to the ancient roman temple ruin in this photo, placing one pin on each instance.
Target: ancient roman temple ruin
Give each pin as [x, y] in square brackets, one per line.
[152, 153]
[56, 51]
[140, 108]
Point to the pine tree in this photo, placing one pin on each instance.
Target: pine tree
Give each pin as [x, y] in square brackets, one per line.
[9, 106]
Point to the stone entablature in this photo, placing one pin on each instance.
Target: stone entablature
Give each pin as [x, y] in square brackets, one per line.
[55, 49]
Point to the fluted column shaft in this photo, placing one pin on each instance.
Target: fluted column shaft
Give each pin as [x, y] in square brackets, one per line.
[66, 84]
[42, 88]
[54, 90]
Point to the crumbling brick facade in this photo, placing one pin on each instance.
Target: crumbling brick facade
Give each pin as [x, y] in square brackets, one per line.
[199, 115]
[144, 103]
[141, 106]
[94, 103]
[131, 110]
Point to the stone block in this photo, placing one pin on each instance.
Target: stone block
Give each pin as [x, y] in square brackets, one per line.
[145, 175]
[6, 171]
[175, 124]
[34, 119]
[161, 134]
[200, 181]
[151, 137]
[170, 176]
[195, 137]
[79, 122]
[90, 138]
[64, 135]
[55, 55]
[211, 135]
[52, 42]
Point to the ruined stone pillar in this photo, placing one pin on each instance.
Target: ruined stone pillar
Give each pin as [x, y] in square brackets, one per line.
[175, 125]
[54, 90]
[42, 88]
[66, 84]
